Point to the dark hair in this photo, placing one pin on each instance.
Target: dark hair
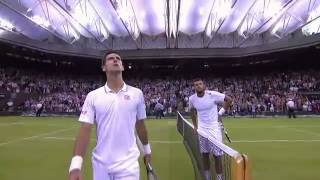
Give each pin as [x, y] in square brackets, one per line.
[103, 60]
[196, 79]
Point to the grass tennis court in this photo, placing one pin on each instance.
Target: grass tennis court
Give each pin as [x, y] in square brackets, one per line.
[279, 149]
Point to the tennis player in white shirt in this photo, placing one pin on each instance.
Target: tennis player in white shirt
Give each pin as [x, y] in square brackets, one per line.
[204, 113]
[116, 110]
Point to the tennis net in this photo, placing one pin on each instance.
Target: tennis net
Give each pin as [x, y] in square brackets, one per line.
[235, 166]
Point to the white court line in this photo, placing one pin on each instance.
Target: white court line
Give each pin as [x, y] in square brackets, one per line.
[236, 141]
[72, 139]
[166, 142]
[11, 124]
[276, 141]
[26, 124]
[264, 127]
[61, 138]
[36, 136]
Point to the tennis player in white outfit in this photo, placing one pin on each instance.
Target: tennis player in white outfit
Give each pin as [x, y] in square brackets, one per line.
[116, 110]
[204, 113]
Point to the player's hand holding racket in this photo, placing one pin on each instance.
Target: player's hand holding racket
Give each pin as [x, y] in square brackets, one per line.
[151, 175]
[147, 159]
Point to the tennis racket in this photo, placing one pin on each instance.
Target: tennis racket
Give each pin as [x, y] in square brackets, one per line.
[151, 175]
[224, 130]
[226, 134]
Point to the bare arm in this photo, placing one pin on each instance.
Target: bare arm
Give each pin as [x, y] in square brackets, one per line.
[227, 102]
[194, 118]
[143, 136]
[142, 131]
[82, 140]
[80, 148]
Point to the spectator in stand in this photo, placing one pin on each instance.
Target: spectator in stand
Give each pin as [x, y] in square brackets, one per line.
[66, 93]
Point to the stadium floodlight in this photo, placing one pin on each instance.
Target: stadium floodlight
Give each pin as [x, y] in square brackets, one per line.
[313, 23]
[40, 21]
[4, 24]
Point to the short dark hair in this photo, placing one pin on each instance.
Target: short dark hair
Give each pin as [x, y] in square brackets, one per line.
[103, 60]
[196, 79]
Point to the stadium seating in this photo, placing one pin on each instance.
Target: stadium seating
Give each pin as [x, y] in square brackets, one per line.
[66, 93]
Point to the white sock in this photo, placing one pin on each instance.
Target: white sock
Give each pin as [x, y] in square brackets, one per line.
[207, 175]
[219, 177]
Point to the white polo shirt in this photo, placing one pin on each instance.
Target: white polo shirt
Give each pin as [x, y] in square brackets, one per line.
[206, 107]
[114, 115]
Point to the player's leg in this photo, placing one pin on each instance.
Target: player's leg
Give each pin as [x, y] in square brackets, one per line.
[37, 113]
[218, 166]
[217, 153]
[205, 150]
[206, 165]
[293, 114]
[289, 113]
[40, 111]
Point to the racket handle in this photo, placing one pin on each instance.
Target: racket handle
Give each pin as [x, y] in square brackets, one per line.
[149, 167]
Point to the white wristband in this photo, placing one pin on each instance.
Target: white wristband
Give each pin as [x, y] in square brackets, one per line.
[146, 149]
[221, 111]
[76, 163]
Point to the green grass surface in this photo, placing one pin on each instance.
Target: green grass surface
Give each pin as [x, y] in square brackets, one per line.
[279, 149]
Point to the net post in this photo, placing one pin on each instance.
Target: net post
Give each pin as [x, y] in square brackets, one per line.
[237, 168]
[238, 163]
[247, 167]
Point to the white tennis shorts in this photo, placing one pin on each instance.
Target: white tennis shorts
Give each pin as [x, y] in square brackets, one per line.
[100, 172]
[207, 146]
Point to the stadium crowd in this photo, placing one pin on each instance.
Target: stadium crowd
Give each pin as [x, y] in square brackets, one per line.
[251, 94]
